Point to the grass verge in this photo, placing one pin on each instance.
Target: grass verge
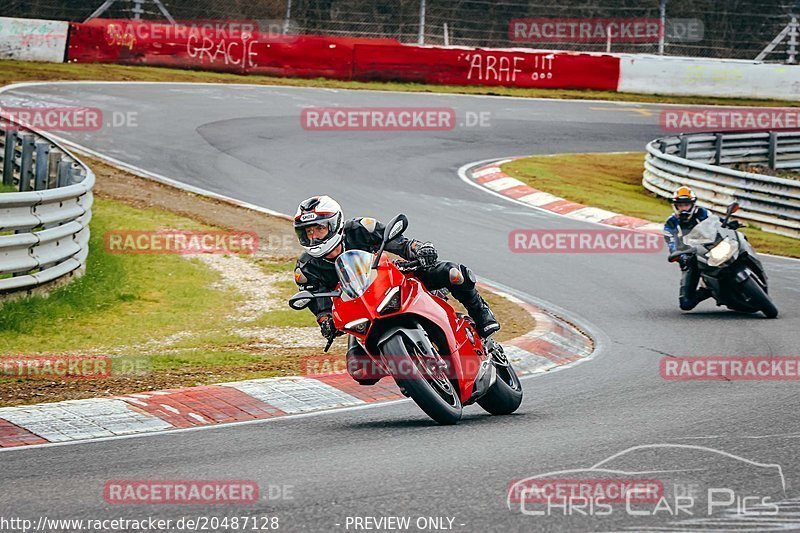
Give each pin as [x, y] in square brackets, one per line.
[21, 71]
[614, 182]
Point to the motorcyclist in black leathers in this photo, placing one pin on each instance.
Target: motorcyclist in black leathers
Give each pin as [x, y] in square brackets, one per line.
[322, 231]
[687, 215]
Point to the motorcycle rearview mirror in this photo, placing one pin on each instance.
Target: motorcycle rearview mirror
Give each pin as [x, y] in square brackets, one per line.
[734, 207]
[397, 226]
[300, 300]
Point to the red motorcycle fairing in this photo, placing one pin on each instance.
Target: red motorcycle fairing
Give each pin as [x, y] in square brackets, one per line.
[464, 345]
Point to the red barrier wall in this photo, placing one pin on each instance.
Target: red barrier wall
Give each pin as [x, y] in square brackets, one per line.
[516, 68]
[128, 42]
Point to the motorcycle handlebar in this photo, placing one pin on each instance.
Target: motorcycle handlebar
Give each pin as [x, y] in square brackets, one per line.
[407, 265]
[679, 252]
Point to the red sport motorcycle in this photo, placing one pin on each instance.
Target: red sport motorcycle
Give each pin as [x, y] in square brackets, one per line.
[433, 353]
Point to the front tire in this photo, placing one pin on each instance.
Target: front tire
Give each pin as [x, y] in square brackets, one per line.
[759, 297]
[437, 397]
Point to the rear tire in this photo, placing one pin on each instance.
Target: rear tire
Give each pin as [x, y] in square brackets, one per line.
[760, 298]
[505, 396]
[431, 398]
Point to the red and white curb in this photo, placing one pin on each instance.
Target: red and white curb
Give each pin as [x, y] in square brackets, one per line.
[551, 344]
[491, 177]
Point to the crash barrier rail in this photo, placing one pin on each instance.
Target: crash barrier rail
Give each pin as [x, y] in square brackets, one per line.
[698, 161]
[45, 209]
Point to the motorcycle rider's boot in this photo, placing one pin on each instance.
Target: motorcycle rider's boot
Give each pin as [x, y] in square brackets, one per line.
[479, 311]
[690, 293]
[703, 293]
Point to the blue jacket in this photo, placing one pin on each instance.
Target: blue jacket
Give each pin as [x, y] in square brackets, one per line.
[673, 223]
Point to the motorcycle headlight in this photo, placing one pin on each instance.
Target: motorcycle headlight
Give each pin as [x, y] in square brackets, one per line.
[391, 302]
[722, 252]
[358, 326]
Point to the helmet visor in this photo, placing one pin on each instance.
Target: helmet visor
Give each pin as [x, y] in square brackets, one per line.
[315, 232]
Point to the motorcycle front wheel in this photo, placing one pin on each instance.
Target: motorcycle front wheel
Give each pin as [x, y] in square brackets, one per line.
[759, 297]
[430, 388]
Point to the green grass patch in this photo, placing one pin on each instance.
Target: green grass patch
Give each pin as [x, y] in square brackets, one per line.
[166, 320]
[122, 299]
[19, 71]
[614, 182]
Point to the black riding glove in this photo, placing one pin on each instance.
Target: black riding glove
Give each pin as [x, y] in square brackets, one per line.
[684, 260]
[326, 326]
[426, 254]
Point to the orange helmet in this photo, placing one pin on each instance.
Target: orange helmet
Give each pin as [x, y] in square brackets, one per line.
[684, 196]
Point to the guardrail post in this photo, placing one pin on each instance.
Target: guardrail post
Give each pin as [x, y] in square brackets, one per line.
[54, 159]
[718, 149]
[26, 163]
[684, 148]
[773, 149]
[74, 172]
[63, 173]
[42, 166]
[8, 157]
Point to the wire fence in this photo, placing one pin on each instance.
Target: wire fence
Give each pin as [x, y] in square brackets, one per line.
[731, 29]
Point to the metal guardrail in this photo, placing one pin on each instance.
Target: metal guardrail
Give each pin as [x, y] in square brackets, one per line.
[44, 219]
[698, 160]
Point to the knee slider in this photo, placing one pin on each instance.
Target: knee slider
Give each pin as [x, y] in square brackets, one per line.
[461, 276]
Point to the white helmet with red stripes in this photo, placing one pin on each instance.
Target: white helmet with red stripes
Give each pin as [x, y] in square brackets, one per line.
[319, 211]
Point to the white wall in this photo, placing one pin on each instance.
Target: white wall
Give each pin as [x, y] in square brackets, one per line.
[708, 77]
[33, 40]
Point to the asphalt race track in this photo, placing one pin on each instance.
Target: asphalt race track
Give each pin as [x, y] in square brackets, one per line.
[391, 460]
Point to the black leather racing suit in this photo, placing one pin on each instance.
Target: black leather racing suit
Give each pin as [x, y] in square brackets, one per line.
[318, 275]
[689, 296]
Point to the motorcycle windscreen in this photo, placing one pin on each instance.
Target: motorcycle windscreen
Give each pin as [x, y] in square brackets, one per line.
[355, 273]
[704, 233]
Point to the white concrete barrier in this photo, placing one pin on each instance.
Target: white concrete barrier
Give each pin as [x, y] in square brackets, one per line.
[33, 40]
[708, 77]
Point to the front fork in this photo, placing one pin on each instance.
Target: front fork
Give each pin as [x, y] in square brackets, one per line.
[487, 374]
